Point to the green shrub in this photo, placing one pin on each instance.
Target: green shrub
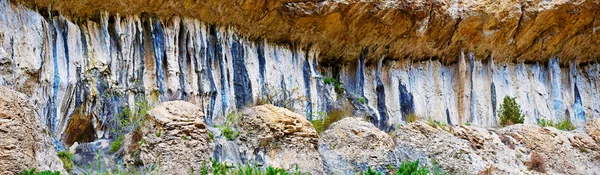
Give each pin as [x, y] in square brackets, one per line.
[116, 144]
[67, 160]
[336, 84]
[564, 125]
[229, 133]
[362, 100]
[412, 168]
[510, 112]
[33, 172]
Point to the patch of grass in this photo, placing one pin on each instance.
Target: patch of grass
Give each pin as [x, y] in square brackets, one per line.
[229, 133]
[116, 144]
[436, 124]
[332, 117]
[510, 112]
[411, 118]
[34, 172]
[564, 125]
[67, 160]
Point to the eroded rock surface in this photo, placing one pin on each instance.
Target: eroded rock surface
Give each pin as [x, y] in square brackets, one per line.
[533, 30]
[351, 145]
[277, 137]
[509, 150]
[175, 138]
[25, 143]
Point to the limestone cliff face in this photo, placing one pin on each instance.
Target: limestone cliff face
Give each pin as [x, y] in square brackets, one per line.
[92, 62]
[528, 30]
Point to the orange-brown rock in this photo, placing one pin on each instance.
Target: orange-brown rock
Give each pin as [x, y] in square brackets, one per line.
[531, 30]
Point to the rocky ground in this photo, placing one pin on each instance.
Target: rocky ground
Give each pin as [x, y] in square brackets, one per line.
[175, 137]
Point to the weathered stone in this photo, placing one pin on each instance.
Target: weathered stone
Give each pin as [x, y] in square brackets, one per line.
[25, 144]
[351, 145]
[277, 137]
[504, 30]
[174, 139]
[509, 150]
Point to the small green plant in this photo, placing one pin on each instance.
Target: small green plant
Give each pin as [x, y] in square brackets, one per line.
[411, 118]
[33, 172]
[229, 133]
[211, 136]
[185, 138]
[510, 112]
[370, 172]
[436, 124]
[362, 100]
[67, 159]
[227, 126]
[158, 133]
[336, 84]
[116, 145]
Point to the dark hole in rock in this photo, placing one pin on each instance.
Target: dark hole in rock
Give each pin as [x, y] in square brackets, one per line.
[80, 129]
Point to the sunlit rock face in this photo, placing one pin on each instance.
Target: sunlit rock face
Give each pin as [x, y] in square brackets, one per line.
[95, 66]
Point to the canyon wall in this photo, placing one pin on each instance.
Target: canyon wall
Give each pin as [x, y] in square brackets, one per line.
[88, 69]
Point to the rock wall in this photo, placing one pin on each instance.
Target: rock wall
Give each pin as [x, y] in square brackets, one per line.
[532, 30]
[96, 65]
[25, 142]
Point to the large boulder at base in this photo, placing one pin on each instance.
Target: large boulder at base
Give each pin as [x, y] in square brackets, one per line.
[516, 149]
[572, 152]
[277, 137]
[175, 138]
[351, 145]
[24, 142]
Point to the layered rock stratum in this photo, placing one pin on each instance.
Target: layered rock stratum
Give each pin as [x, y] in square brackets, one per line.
[530, 31]
[278, 137]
